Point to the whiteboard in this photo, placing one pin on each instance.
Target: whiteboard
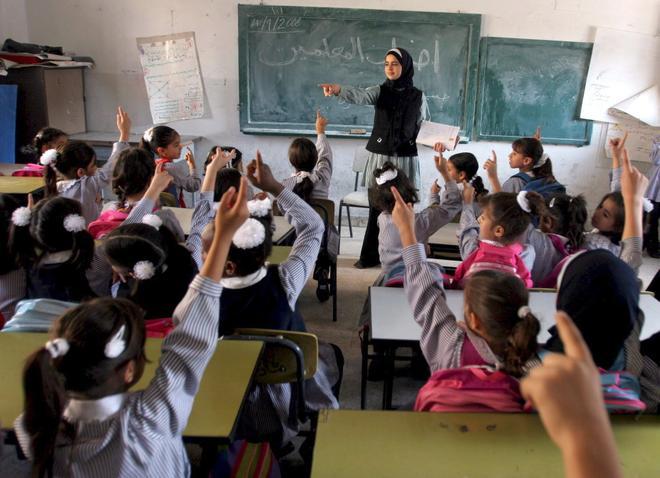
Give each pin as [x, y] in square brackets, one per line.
[622, 65]
[172, 77]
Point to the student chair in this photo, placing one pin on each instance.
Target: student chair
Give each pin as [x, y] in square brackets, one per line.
[327, 259]
[355, 198]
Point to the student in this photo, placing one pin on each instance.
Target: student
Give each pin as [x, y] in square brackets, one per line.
[312, 164]
[534, 169]
[47, 138]
[463, 167]
[12, 275]
[264, 296]
[134, 176]
[561, 234]
[618, 218]
[427, 222]
[56, 248]
[399, 109]
[80, 419]
[566, 392]
[498, 329]
[164, 145]
[495, 241]
[79, 178]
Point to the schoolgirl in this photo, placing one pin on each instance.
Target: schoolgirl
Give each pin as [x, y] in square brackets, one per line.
[12, 275]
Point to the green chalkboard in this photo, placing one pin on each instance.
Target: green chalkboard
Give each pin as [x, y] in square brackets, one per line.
[286, 52]
[528, 83]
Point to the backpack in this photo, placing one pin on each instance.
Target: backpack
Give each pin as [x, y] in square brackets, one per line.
[541, 185]
[107, 222]
[470, 389]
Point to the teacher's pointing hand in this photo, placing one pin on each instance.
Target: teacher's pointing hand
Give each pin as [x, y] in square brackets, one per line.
[330, 89]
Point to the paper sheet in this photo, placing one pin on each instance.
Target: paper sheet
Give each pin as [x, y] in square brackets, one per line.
[431, 133]
[644, 106]
[623, 64]
[640, 137]
[172, 76]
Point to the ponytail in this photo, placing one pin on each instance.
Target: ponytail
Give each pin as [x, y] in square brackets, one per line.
[45, 399]
[537, 204]
[304, 189]
[50, 180]
[479, 188]
[568, 215]
[499, 300]
[541, 163]
[521, 343]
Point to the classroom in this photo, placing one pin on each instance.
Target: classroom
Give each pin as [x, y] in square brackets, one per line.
[388, 296]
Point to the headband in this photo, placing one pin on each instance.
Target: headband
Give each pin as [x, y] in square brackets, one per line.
[385, 176]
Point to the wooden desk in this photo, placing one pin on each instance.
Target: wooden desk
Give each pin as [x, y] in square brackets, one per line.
[20, 185]
[217, 405]
[393, 325]
[444, 243]
[415, 444]
[184, 215]
[279, 254]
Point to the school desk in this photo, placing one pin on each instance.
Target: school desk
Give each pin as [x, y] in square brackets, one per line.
[421, 444]
[393, 325]
[184, 216]
[217, 404]
[279, 254]
[444, 243]
[20, 185]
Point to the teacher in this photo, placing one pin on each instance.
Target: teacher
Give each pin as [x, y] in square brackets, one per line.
[399, 111]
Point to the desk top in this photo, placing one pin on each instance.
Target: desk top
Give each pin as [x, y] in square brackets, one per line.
[279, 254]
[392, 317]
[108, 138]
[446, 235]
[416, 444]
[184, 215]
[20, 185]
[217, 404]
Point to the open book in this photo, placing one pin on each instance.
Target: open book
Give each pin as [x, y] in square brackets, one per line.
[431, 133]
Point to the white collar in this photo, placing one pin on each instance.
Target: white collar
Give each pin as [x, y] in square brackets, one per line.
[492, 243]
[57, 257]
[90, 410]
[245, 281]
[65, 184]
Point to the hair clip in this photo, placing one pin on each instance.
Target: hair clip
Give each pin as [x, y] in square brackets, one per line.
[49, 157]
[260, 207]
[21, 216]
[301, 175]
[74, 223]
[117, 344]
[385, 176]
[57, 347]
[144, 270]
[647, 205]
[524, 311]
[251, 234]
[148, 135]
[153, 221]
[551, 204]
[523, 202]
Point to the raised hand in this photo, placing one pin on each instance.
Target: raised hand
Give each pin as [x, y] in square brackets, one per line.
[330, 89]
[617, 147]
[321, 122]
[435, 187]
[537, 133]
[403, 217]
[633, 182]
[190, 159]
[159, 182]
[123, 125]
[262, 177]
[491, 165]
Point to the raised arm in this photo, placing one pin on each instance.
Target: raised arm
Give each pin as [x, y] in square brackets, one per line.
[350, 94]
[440, 332]
[104, 174]
[323, 168]
[617, 146]
[166, 403]
[468, 228]
[633, 186]
[184, 175]
[491, 170]
[296, 270]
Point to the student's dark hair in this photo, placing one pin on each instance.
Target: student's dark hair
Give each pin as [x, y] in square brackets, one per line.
[161, 137]
[496, 297]
[384, 200]
[133, 172]
[619, 216]
[83, 369]
[43, 137]
[73, 155]
[49, 234]
[569, 213]
[505, 211]
[303, 157]
[8, 259]
[174, 267]
[468, 164]
[234, 162]
[533, 148]
[225, 179]
[250, 260]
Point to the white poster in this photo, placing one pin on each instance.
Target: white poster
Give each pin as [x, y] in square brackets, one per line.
[623, 64]
[172, 76]
[640, 137]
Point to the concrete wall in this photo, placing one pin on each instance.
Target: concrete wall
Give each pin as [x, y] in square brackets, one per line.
[13, 20]
[107, 31]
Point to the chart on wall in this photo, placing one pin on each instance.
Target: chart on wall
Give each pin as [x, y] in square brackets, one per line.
[172, 76]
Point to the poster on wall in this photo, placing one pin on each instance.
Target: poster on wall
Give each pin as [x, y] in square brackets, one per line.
[172, 76]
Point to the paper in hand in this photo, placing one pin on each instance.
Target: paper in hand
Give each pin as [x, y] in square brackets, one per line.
[431, 133]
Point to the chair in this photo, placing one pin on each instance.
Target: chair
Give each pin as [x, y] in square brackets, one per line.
[355, 198]
[329, 249]
[288, 357]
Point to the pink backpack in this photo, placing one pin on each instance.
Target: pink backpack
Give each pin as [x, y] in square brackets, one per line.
[107, 222]
[159, 328]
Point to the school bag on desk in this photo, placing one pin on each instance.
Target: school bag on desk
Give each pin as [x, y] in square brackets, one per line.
[470, 389]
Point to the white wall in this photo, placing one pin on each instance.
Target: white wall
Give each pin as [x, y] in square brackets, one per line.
[107, 31]
[13, 20]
